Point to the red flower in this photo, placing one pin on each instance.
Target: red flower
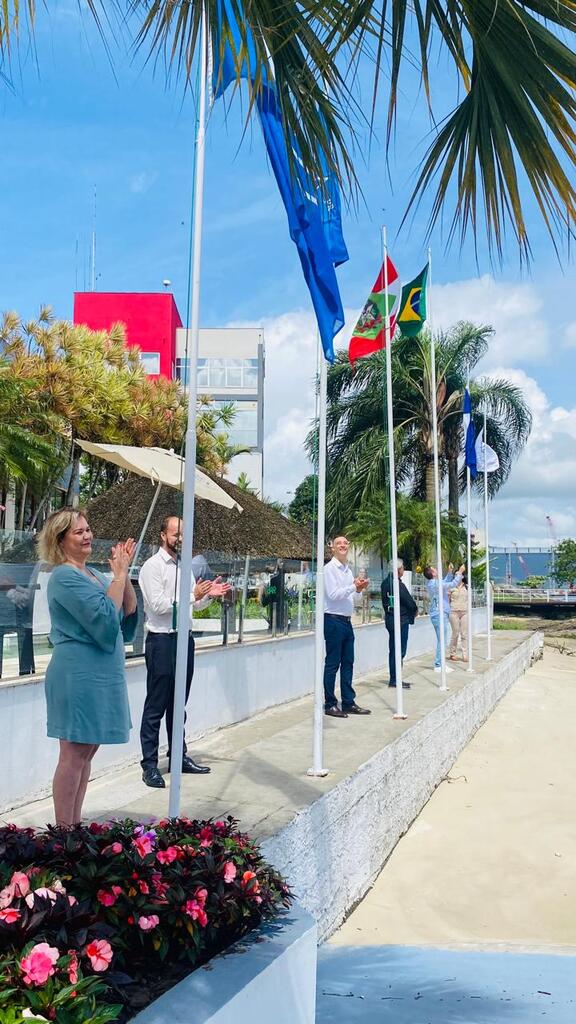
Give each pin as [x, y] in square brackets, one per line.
[10, 915]
[168, 855]
[193, 909]
[229, 873]
[142, 845]
[99, 954]
[113, 849]
[206, 835]
[38, 966]
[144, 887]
[220, 826]
[108, 899]
[251, 883]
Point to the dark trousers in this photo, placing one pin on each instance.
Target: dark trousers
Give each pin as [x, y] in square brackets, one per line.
[160, 654]
[404, 630]
[339, 637]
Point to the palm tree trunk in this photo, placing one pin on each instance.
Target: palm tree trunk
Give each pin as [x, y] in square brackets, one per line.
[429, 480]
[453, 488]
[22, 505]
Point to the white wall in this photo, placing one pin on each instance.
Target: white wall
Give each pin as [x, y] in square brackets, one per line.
[230, 684]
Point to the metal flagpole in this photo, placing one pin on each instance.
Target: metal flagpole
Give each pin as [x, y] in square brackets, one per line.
[185, 587]
[317, 753]
[486, 542]
[469, 554]
[441, 622]
[392, 474]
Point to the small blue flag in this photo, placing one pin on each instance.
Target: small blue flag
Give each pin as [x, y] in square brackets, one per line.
[314, 216]
[470, 435]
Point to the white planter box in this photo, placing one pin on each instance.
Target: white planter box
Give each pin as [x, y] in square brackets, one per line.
[270, 975]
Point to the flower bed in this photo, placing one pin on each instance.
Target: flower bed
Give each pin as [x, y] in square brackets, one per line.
[97, 921]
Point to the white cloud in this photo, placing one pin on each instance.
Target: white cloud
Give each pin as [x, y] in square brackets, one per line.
[140, 183]
[570, 335]
[513, 309]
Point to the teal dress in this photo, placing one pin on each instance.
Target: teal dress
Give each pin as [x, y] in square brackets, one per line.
[86, 690]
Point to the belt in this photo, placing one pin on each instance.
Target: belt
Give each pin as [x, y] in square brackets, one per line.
[171, 633]
[335, 615]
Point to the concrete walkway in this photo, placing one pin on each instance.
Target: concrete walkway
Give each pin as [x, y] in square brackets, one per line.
[487, 872]
[259, 766]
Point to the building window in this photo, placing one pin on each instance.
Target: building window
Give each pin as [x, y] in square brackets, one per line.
[244, 427]
[227, 373]
[150, 362]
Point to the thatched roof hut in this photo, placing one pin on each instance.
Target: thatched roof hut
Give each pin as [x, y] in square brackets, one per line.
[258, 530]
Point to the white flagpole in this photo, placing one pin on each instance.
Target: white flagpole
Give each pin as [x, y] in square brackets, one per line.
[469, 554]
[487, 544]
[392, 474]
[317, 752]
[439, 570]
[184, 591]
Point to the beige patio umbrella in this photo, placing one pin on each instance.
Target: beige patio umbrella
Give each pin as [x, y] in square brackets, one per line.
[164, 468]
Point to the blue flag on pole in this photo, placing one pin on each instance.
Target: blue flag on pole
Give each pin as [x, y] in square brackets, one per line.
[314, 216]
[470, 435]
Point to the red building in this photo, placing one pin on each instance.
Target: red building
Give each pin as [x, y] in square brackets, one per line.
[150, 318]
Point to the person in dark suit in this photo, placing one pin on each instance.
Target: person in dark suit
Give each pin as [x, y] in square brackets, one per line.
[408, 612]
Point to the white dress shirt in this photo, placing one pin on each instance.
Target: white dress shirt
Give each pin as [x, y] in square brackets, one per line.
[159, 581]
[339, 588]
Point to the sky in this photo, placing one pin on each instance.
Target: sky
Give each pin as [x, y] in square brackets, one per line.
[82, 128]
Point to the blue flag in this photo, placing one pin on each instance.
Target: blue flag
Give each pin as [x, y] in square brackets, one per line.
[314, 216]
[470, 435]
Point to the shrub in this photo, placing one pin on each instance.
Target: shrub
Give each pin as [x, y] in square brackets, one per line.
[97, 920]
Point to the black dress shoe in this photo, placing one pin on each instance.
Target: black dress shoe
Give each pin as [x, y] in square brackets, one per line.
[189, 767]
[405, 686]
[335, 713]
[151, 777]
[355, 710]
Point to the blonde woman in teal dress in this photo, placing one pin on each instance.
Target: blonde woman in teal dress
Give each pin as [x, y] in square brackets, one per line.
[90, 617]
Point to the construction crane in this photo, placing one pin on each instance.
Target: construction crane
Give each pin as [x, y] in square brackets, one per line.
[552, 530]
[522, 561]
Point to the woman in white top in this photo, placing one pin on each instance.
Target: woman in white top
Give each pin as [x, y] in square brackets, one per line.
[459, 618]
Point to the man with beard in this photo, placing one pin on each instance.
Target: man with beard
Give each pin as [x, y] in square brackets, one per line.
[159, 584]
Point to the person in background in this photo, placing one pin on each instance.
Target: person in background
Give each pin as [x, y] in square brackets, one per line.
[408, 612]
[459, 618]
[86, 693]
[159, 583]
[449, 582]
[339, 590]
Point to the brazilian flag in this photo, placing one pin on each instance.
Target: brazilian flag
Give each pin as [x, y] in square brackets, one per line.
[412, 311]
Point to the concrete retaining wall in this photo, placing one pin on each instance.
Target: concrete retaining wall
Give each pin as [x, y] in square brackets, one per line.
[230, 684]
[269, 976]
[332, 851]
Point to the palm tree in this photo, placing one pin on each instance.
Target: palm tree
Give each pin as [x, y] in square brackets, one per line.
[416, 524]
[357, 452]
[513, 120]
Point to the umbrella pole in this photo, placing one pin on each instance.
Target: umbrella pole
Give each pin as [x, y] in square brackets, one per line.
[146, 525]
[185, 587]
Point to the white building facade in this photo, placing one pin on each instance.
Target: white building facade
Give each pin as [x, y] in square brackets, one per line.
[231, 369]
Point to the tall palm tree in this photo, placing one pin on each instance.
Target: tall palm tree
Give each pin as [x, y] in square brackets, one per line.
[512, 126]
[416, 529]
[357, 445]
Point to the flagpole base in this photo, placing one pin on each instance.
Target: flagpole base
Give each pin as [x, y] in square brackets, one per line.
[443, 689]
[402, 718]
[318, 773]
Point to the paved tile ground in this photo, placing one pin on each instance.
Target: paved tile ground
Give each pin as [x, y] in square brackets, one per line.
[486, 870]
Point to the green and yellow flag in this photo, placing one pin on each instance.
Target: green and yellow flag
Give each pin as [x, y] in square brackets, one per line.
[412, 312]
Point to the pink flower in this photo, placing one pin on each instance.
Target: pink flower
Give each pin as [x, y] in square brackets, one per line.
[167, 856]
[73, 967]
[193, 909]
[108, 898]
[201, 895]
[143, 845]
[148, 923]
[46, 894]
[144, 887]
[229, 872]
[99, 954]
[113, 849]
[18, 885]
[38, 966]
[10, 915]
[251, 883]
[220, 826]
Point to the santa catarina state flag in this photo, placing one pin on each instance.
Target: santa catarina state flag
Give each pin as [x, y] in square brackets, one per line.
[369, 333]
[412, 313]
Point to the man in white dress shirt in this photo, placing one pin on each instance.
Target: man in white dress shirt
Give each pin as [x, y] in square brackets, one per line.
[339, 590]
[159, 583]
